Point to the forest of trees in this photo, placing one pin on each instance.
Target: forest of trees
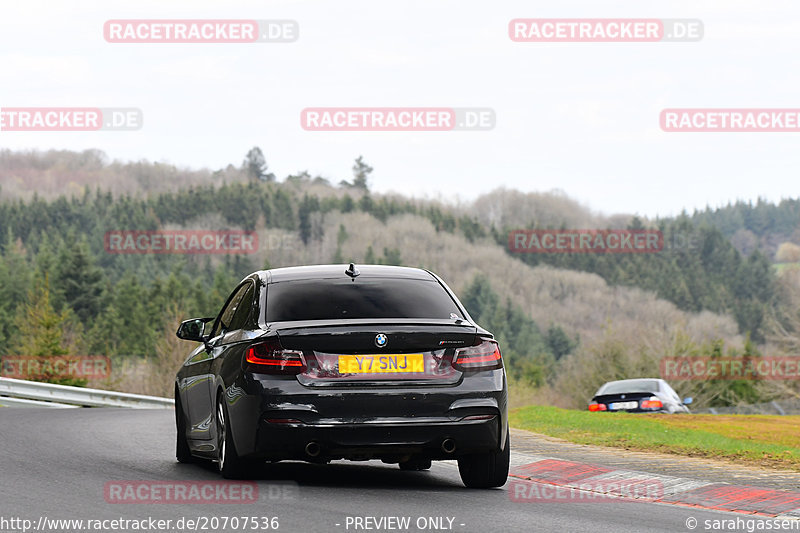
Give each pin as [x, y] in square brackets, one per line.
[60, 292]
[91, 302]
[699, 269]
[766, 220]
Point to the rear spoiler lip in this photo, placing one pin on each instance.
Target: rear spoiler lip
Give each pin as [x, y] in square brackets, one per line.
[384, 322]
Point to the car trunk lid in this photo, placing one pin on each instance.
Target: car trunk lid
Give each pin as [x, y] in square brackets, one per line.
[379, 353]
[622, 401]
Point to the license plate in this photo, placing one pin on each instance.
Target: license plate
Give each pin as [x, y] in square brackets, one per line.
[623, 405]
[381, 364]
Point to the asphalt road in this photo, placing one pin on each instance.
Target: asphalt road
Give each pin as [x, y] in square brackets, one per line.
[56, 464]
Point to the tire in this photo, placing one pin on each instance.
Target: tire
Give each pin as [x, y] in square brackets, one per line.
[182, 452]
[415, 465]
[229, 464]
[485, 470]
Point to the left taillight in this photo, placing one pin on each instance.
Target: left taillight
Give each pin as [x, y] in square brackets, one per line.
[483, 356]
[271, 358]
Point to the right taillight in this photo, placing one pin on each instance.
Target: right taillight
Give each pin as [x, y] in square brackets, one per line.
[653, 403]
[270, 358]
[483, 356]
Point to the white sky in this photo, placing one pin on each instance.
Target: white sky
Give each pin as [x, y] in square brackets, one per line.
[580, 117]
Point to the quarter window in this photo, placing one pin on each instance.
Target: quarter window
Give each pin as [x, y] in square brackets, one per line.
[225, 319]
[242, 312]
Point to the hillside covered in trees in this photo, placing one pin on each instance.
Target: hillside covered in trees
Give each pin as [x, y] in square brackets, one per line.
[61, 292]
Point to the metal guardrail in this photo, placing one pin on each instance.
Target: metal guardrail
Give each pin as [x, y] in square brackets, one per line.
[22, 402]
[18, 393]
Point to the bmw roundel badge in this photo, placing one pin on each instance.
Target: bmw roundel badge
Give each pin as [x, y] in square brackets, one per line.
[381, 340]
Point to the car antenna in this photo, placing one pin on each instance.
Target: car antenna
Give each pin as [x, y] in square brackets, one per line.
[352, 271]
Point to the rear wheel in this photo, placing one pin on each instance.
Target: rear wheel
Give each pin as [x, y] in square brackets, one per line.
[229, 464]
[485, 470]
[182, 452]
[415, 464]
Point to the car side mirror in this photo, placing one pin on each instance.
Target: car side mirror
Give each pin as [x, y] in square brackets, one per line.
[687, 401]
[193, 329]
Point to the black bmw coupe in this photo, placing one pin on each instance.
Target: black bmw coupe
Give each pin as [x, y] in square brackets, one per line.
[328, 362]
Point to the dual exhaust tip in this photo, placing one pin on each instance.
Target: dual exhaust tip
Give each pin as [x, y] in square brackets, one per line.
[313, 449]
[448, 445]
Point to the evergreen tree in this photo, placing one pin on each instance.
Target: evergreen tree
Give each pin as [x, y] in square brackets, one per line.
[81, 281]
[15, 278]
[282, 212]
[42, 334]
[366, 204]
[361, 173]
[255, 164]
[559, 343]
[347, 204]
[308, 206]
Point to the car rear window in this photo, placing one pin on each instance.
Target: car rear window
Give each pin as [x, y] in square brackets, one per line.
[363, 298]
[636, 385]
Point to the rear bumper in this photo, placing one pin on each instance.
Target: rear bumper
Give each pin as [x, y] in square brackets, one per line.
[276, 418]
[390, 440]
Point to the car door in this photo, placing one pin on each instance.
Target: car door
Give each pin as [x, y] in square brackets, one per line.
[199, 383]
[228, 353]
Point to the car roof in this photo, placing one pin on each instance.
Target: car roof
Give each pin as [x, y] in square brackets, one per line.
[277, 275]
[633, 379]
